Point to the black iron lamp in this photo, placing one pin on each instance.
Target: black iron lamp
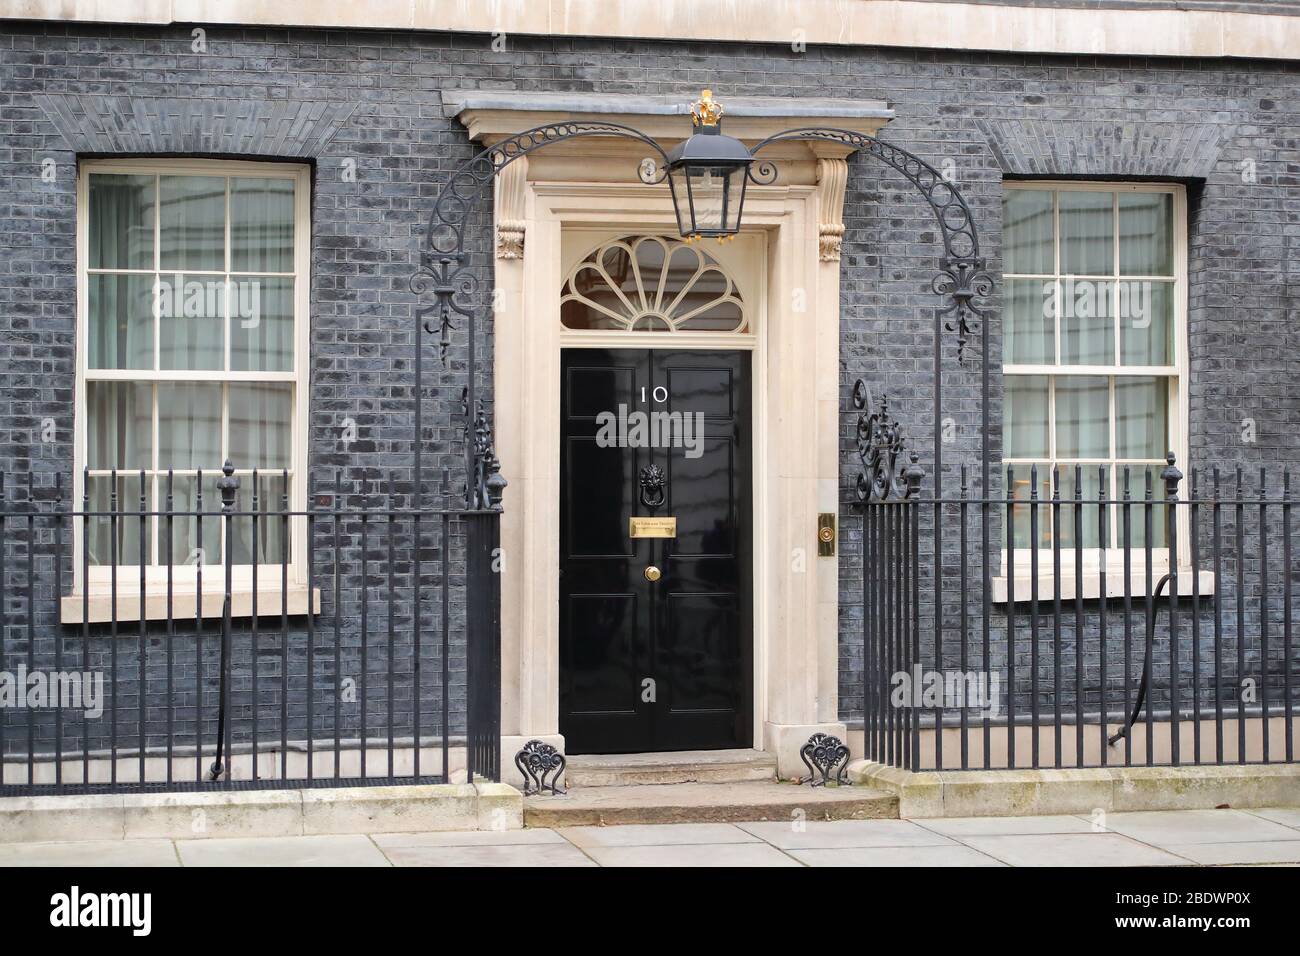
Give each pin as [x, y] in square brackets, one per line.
[707, 175]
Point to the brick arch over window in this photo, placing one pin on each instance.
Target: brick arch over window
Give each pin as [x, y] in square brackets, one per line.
[1123, 148]
[146, 125]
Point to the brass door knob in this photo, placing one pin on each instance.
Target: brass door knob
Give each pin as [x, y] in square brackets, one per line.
[652, 573]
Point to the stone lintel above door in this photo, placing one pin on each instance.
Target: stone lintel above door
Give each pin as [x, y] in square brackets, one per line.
[491, 115]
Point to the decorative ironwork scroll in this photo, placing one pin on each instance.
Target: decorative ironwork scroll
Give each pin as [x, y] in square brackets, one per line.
[446, 273]
[963, 277]
[536, 761]
[445, 268]
[880, 442]
[826, 756]
[485, 482]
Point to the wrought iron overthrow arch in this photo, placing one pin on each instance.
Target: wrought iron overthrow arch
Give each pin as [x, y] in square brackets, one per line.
[962, 274]
[444, 266]
[445, 270]
[962, 278]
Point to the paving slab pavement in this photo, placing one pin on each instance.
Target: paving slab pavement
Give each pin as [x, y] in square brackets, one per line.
[693, 855]
[668, 834]
[1269, 836]
[845, 834]
[909, 856]
[1227, 854]
[960, 827]
[91, 853]
[347, 850]
[1287, 816]
[1072, 850]
[454, 838]
[531, 855]
[1165, 827]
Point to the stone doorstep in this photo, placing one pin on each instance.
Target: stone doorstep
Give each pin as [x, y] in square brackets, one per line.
[707, 803]
[260, 813]
[690, 766]
[985, 793]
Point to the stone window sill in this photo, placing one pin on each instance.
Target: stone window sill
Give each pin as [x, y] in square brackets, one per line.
[1091, 582]
[96, 607]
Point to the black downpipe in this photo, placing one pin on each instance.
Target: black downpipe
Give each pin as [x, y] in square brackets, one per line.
[1146, 669]
[228, 485]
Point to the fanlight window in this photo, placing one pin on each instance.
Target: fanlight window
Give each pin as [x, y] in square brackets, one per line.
[651, 284]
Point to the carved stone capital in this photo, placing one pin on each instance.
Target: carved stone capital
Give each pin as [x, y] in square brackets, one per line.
[830, 235]
[510, 183]
[510, 239]
[832, 177]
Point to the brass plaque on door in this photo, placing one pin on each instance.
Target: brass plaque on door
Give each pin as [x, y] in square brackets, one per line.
[652, 527]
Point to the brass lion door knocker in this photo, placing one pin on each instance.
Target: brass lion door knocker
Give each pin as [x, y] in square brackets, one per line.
[653, 485]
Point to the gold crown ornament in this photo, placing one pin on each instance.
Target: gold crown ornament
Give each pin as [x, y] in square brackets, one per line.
[706, 110]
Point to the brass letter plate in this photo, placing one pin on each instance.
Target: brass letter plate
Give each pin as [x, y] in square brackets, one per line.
[652, 527]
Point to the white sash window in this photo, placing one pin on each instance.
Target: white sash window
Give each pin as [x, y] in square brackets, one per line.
[1094, 353]
[192, 348]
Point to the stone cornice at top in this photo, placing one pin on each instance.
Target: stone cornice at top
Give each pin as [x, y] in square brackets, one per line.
[1268, 29]
[491, 115]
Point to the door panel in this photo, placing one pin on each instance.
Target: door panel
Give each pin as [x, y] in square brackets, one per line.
[701, 497]
[666, 664]
[604, 652]
[602, 482]
[700, 646]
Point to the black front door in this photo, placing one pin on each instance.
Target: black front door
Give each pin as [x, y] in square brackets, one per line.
[655, 661]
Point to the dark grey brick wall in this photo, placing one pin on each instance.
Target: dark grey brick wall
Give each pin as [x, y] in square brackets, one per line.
[328, 97]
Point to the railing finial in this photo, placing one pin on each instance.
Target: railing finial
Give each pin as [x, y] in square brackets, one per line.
[913, 476]
[228, 484]
[1171, 476]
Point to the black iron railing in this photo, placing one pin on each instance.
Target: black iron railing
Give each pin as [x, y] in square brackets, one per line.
[1133, 618]
[354, 641]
